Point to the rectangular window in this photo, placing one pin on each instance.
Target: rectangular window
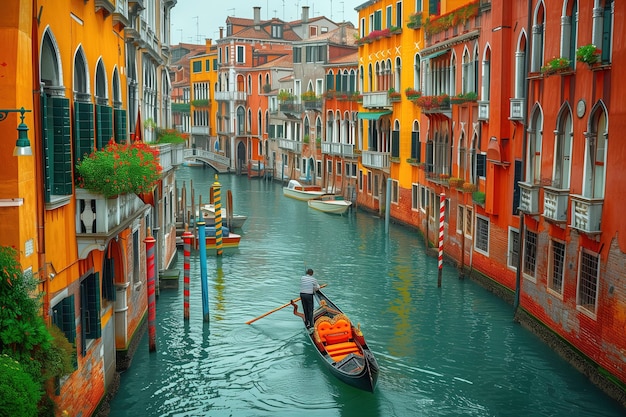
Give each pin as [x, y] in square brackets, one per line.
[482, 235]
[136, 277]
[395, 191]
[530, 254]
[389, 16]
[395, 143]
[423, 198]
[588, 275]
[469, 222]
[415, 193]
[376, 186]
[215, 65]
[360, 181]
[338, 171]
[63, 316]
[415, 147]
[399, 14]
[207, 65]
[481, 165]
[557, 266]
[369, 182]
[378, 20]
[241, 54]
[196, 66]
[329, 167]
[460, 218]
[297, 55]
[513, 252]
[318, 168]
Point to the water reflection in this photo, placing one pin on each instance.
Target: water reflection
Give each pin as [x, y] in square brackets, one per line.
[445, 351]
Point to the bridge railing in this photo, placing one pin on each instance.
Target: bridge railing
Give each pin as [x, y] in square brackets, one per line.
[206, 155]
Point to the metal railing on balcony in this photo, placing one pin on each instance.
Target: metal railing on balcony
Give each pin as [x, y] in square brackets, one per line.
[291, 107]
[200, 130]
[231, 95]
[290, 145]
[313, 105]
[345, 150]
[376, 160]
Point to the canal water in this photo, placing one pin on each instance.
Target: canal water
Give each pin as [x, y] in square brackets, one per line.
[446, 351]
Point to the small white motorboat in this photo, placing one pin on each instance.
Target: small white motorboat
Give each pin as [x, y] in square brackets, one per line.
[302, 192]
[330, 203]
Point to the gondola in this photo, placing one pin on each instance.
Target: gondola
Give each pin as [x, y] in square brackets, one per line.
[341, 345]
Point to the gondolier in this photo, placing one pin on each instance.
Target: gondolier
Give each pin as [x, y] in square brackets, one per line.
[308, 287]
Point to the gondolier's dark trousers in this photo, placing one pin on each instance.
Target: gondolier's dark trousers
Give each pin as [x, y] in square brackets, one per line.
[307, 306]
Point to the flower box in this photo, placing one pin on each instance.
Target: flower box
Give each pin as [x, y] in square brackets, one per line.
[556, 65]
[119, 169]
[588, 54]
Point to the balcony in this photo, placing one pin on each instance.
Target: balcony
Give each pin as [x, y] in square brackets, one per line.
[290, 145]
[200, 130]
[313, 105]
[555, 204]
[231, 95]
[344, 150]
[587, 214]
[170, 155]
[376, 99]
[99, 219]
[120, 15]
[529, 198]
[291, 107]
[376, 160]
[518, 109]
[105, 6]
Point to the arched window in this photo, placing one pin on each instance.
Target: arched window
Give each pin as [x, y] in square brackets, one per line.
[538, 34]
[569, 31]
[563, 149]
[595, 153]
[533, 149]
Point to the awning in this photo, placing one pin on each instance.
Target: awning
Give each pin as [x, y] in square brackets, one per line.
[435, 54]
[373, 115]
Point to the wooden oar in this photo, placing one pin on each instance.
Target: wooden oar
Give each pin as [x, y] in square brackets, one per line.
[276, 309]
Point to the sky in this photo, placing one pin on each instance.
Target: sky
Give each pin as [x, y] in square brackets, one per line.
[195, 20]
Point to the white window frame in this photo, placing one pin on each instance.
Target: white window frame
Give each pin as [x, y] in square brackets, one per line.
[477, 240]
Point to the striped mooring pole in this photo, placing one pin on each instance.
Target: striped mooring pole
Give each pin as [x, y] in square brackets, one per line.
[203, 273]
[442, 209]
[150, 269]
[217, 195]
[187, 236]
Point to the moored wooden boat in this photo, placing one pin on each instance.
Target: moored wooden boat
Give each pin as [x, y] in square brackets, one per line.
[236, 221]
[341, 346]
[229, 239]
[330, 203]
[302, 192]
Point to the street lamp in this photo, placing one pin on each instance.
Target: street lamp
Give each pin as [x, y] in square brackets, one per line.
[22, 145]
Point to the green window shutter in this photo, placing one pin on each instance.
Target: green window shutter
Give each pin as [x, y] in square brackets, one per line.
[197, 66]
[83, 130]
[90, 307]
[330, 82]
[59, 148]
[378, 20]
[415, 146]
[395, 143]
[46, 135]
[104, 125]
[430, 157]
[215, 66]
[481, 165]
[272, 132]
[338, 82]
[108, 286]
[120, 126]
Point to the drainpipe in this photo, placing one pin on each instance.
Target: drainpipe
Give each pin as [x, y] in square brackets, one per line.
[518, 273]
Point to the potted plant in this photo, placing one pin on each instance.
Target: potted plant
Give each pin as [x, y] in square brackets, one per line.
[555, 65]
[119, 169]
[308, 96]
[267, 88]
[588, 54]
[393, 94]
[478, 197]
[412, 93]
[464, 98]
[415, 21]
[456, 182]
[284, 95]
[170, 136]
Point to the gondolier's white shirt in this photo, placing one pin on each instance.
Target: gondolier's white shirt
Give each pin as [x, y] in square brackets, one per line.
[308, 284]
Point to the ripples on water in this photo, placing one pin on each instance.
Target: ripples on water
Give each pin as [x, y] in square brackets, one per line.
[447, 351]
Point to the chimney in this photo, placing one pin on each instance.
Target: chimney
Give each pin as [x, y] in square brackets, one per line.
[257, 18]
[305, 14]
[221, 32]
